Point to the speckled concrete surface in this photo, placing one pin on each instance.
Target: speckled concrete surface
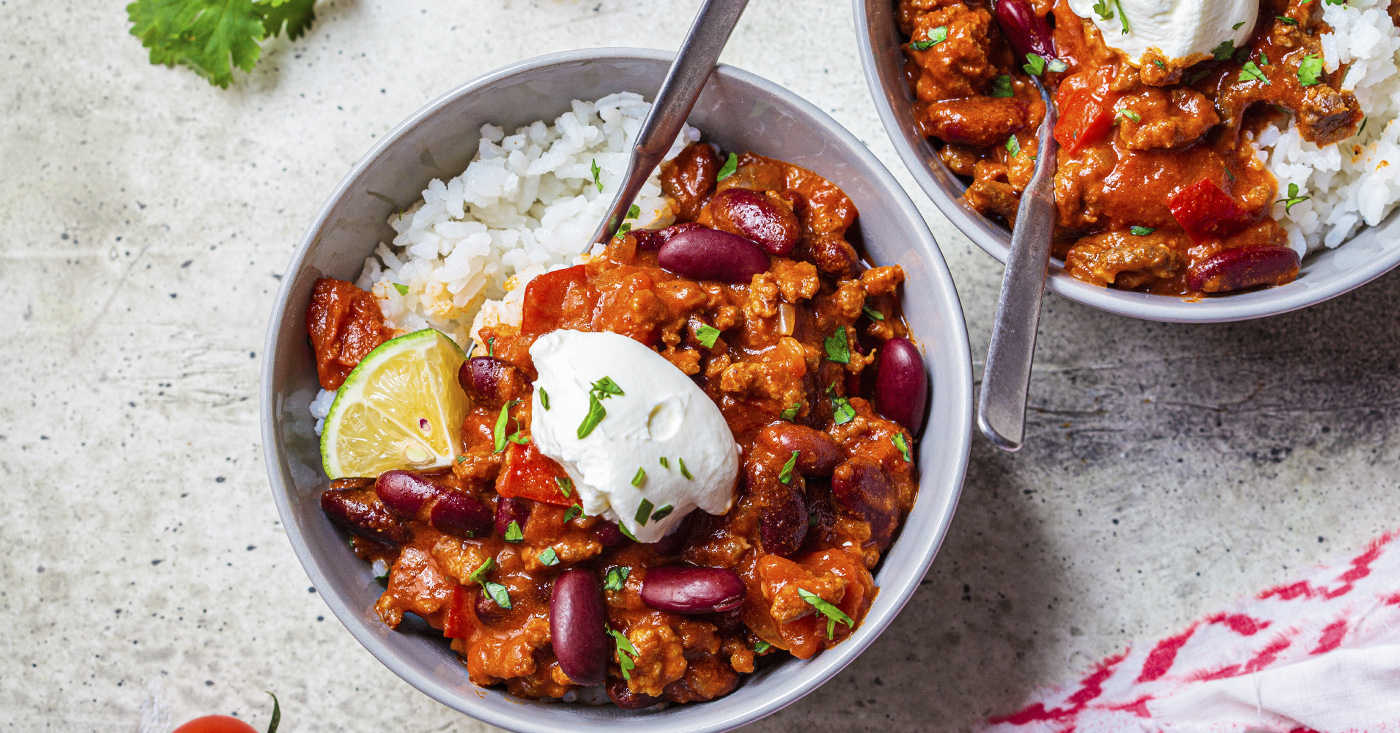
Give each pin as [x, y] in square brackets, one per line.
[145, 218]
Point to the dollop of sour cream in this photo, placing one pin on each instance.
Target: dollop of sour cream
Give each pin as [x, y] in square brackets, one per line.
[661, 448]
[1177, 28]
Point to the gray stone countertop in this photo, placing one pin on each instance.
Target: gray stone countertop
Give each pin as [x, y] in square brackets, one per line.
[145, 218]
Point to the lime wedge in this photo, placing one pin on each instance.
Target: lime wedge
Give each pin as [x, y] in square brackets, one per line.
[400, 408]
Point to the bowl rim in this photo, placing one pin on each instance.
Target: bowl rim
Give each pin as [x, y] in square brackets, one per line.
[995, 240]
[823, 667]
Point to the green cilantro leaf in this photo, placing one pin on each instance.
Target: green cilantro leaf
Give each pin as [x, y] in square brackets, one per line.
[791, 412]
[403, 289]
[519, 439]
[832, 613]
[643, 514]
[903, 446]
[785, 475]
[934, 37]
[513, 533]
[1263, 59]
[572, 512]
[706, 335]
[544, 399]
[625, 533]
[1293, 198]
[1035, 64]
[841, 410]
[664, 462]
[639, 477]
[1225, 50]
[872, 314]
[1104, 9]
[1001, 86]
[1129, 114]
[597, 181]
[761, 646]
[1252, 72]
[212, 37]
[730, 165]
[1236, 26]
[662, 513]
[595, 415]
[1013, 146]
[1122, 16]
[837, 349]
[1310, 70]
[624, 648]
[684, 471]
[616, 578]
[479, 574]
[566, 485]
[548, 557]
[606, 386]
[498, 593]
[1142, 231]
[634, 211]
[295, 16]
[1159, 64]
[499, 434]
[1285, 19]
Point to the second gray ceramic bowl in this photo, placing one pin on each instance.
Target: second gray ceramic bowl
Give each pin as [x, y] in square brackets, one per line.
[739, 111]
[1325, 275]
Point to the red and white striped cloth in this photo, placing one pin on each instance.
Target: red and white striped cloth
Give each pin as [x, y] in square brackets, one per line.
[1318, 655]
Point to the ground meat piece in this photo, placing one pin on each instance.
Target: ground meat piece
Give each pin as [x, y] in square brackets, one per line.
[976, 121]
[991, 193]
[706, 678]
[660, 658]
[956, 67]
[344, 323]
[1165, 119]
[1102, 258]
[689, 178]
[1327, 115]
[415, 584]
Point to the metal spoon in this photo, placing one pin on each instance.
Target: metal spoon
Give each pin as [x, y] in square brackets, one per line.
[1001, 409]
[694, 62]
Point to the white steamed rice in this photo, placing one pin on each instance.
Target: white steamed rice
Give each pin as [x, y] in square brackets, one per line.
[526, 204]
[1357, 181]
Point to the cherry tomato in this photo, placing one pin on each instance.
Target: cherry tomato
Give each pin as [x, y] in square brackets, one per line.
[216, 724]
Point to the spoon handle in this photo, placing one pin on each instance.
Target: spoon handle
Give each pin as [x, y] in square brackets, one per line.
[1001, 410]
[694, 62]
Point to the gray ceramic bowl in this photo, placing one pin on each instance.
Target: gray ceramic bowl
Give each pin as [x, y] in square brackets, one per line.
[1367, 256]
[739, 111]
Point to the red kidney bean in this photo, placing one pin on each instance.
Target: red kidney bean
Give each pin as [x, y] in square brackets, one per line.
[511, 510]
[861, 488]
[754, 215]
[489, 381]
[901, 384]
[608, 534]
[1027, 32]
[689, 589]
[782, 524]
[405, 493]
[460, 515]
[832, 254]
[711, 254]
[361, 512]
[650, 240]
[577, 620]
[487, 610]
[674, 539]
[625, 698]
[817, 453]
[1244, 267]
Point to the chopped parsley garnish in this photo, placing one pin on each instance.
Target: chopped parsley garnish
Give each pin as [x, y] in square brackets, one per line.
[1251, 72]
[606, 386]
[403, 289]
[903, 446]
[596, 170]
[479, 574]
[730, 165]
[634, 211]
[662, 513]
[572, 512]
[639, 476]
[602, 389]
[1122, 16]
[1142, 231]
[1263, 59]
[1285, 19]
[791, 412]
[544, 399]
[616, 579]
[214, 36]
[1236, 26]
[832, 613]
[837, 349]
[624, 648]
[566, 485]
[519, 439]
[625, 533]
[548, 557]
[643, 514]
[664, 462]
[1035, 64]
[1104, 9]
[706, 335]
[684, 471]
[513, 533]
[873, 315]
[1225, 50]
[625, 228]
[498, 592]
[1310, 70]
[499, 435]
[841, 410]
[1001, 86]
[1158, 63]
[1293, 198]
[785, 475]
[1012, 146]
[934, 37]
[761, 646]
[1129, 114]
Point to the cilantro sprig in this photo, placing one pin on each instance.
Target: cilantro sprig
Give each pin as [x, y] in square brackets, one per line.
[1293, 199]
[626, 653]
[498, 592]
[213, 37]
[837, 348]
[1310, 71]
[832, 613]
[934, 37]
[602, 390]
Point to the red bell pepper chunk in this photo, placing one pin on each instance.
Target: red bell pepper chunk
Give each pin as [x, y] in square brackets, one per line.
[529, 474]
[553, 297]
[1207, 213]
[1085, 118]
[460, 614]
